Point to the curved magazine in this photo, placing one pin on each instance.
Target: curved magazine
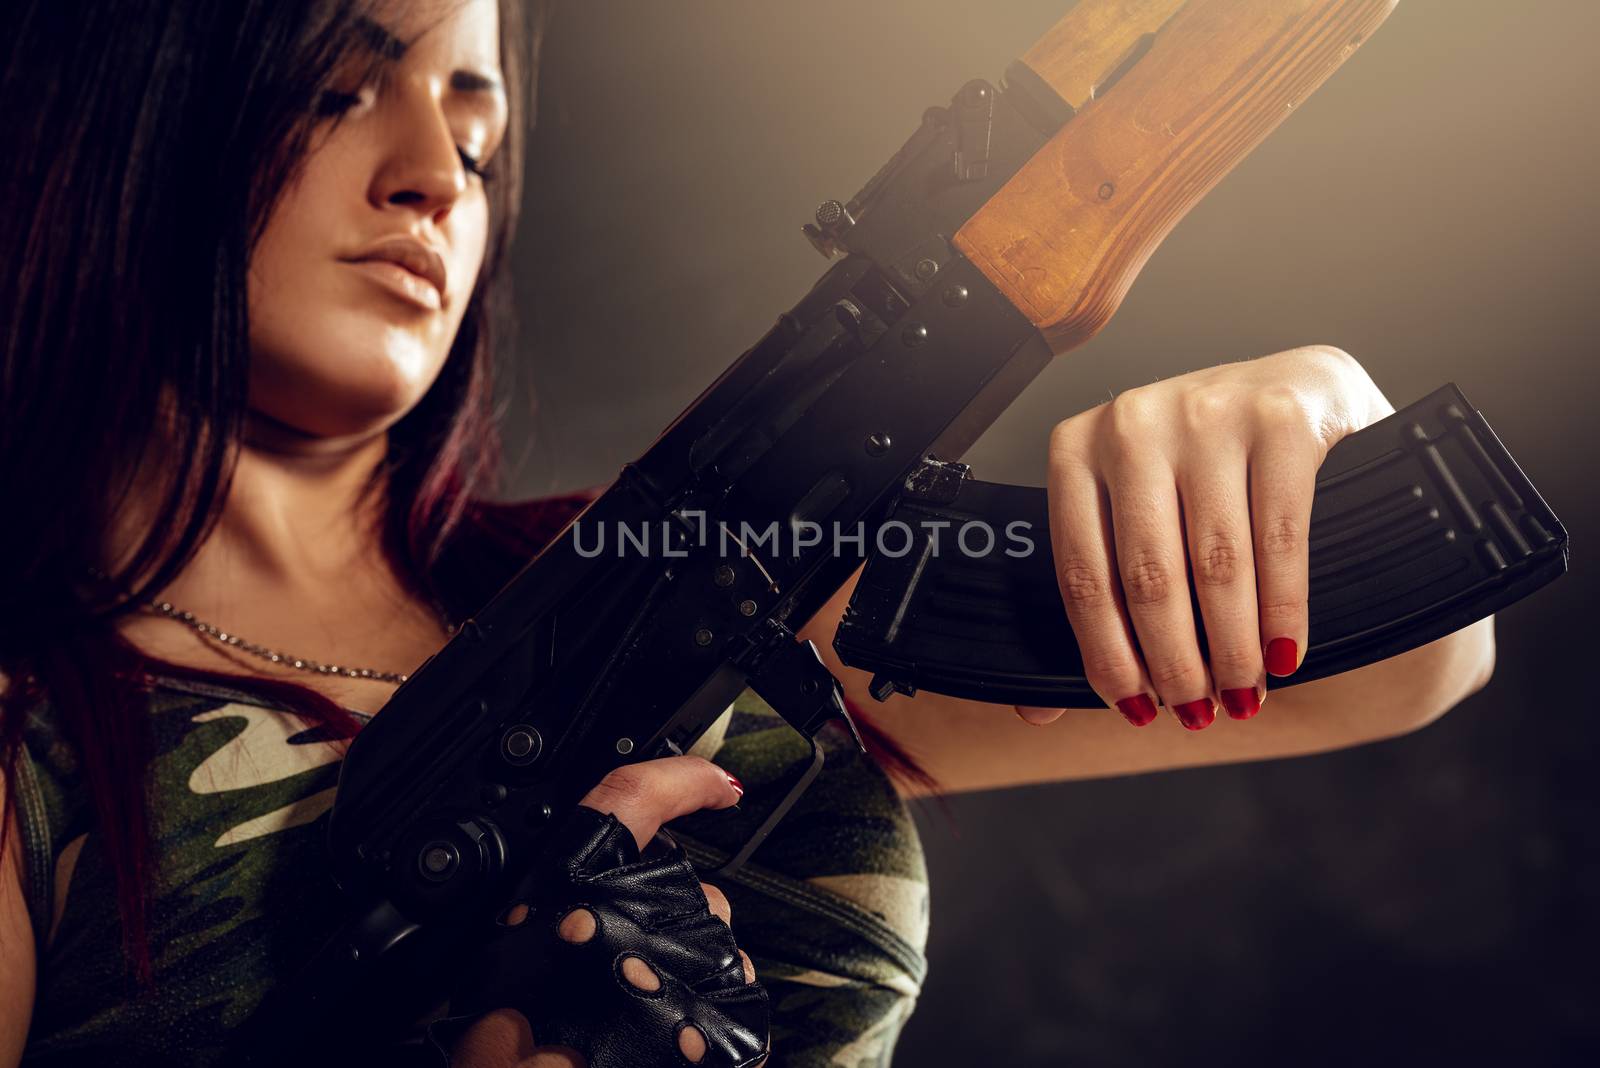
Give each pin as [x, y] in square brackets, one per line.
[1422, 523]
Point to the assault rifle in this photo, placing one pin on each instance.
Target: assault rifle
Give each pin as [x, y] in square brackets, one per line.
[1005, 232]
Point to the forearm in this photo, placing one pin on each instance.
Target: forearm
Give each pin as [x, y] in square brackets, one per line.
[1394, 696]
[967, 745]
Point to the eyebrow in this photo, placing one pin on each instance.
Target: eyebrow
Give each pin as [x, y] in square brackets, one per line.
[391, 48]
[471, 81]
[380, 40]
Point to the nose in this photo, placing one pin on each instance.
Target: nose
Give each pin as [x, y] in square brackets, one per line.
[422, 167]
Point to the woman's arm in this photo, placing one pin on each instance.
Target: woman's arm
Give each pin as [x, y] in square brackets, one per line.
[1206, 477]
[16, 947]
[969, 745]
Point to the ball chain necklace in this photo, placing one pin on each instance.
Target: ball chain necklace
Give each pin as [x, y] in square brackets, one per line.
[301, 663]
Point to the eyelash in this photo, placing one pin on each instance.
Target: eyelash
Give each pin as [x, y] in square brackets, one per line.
[334, 103]
[482, 170]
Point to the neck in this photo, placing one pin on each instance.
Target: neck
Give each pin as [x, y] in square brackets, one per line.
[295, 563]
[299, 518]
[299, 511]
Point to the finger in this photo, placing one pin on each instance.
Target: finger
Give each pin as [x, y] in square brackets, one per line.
[1213, 487]
[692, 1043]
[515, 916]
[503, 1036]
[1283, 473]
[1147, 525]
[1080, 536]
[639, 973]
[554, 1057]
[1038, 717]
[749, 967]
[577, 926]
[643, 796]
[718, 902]
[498, 1036]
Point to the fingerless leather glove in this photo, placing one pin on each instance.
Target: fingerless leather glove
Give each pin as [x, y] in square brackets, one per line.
[574, 994]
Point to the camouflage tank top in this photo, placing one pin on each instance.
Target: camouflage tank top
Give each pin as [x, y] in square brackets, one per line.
[833, 910]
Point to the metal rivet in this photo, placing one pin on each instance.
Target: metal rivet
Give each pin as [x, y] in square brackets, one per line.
[926, 269]
[955, 296]
[1107, 191]
[702, 636]
[878, 444]
[438, 861]
[520, 745]
[913, 335]
[747, 607]
[624, 746]
[723, 576]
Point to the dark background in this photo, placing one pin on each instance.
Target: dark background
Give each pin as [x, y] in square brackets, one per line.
[1426, 900]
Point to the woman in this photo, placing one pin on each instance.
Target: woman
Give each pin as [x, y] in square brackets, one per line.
[219, 409]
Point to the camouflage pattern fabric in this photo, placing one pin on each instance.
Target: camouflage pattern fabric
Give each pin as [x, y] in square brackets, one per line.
[833, 908]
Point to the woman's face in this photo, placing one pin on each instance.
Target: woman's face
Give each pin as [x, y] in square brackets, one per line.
[344, 341]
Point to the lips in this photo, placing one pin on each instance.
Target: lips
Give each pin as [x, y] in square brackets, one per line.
[414, 259]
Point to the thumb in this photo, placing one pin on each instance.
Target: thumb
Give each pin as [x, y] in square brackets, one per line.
[1038, 716]
[645, 795]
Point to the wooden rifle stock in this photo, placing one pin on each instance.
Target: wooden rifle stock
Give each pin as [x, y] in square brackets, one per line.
[1197, 85]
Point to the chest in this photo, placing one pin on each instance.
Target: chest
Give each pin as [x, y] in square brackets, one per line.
[399, 648]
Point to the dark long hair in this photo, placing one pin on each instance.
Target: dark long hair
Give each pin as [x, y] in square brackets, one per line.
[148, 142]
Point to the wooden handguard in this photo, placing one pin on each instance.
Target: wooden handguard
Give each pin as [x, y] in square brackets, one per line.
[1171, 94]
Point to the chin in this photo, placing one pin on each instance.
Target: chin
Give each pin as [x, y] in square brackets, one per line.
[362, 394]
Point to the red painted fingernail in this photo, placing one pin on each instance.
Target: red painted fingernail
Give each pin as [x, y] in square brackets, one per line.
[736, 784]
[1138, 709]
[1196, 714]
[1241, 703]
[1282, 656]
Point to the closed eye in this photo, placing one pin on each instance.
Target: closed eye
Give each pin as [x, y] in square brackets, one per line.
[333, 103]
